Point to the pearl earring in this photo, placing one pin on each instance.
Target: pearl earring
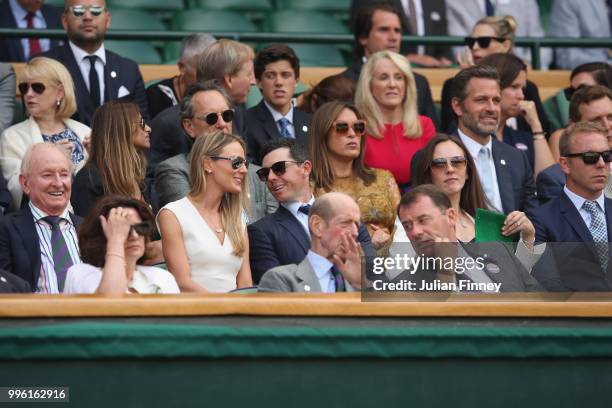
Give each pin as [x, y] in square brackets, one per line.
[58, 102]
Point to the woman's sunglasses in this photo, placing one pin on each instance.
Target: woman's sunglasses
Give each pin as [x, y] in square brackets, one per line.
[442, 162]
[79, 10]
[483, 42]
[343, 127]
[37, 87]
[237, 162]
[144, 229]
[277, 168]
[592, 157]
[212, 118]
[143, 124]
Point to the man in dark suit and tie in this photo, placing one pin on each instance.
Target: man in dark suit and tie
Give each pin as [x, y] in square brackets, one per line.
[505, 173]
[39, 242]
[376, 28]
[277, 71]
[589, 103]
[27, 14]
[283, 238]
[577, 225]
[99, 75]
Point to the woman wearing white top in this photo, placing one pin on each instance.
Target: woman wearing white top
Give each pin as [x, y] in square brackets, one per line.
[123, 226]
[204, 237]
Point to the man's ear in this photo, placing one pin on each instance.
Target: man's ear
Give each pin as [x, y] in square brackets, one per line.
[188, 128]
[451, 216]
[227, 81]
[25, 186]
[316, 225]
[456, 105]
[64, 21]
[564, 163]
[307, 166]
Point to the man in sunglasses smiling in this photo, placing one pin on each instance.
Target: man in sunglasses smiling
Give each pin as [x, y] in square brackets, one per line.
[283, 238]
[581, 214]
[99, 75]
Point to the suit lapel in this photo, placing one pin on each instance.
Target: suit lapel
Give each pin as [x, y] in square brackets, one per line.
[267, 121]
[306, 276]
[300, 122]
[574, 219]
[82, 93]
[287, 221]
[112, 80]
[504, 176]
[29, 237]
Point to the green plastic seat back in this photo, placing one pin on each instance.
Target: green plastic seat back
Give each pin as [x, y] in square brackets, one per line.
[132, 19]
[151, 5]
[335, 6]
[211, 20]
[140, 51]
[242, 6]
[288, 21]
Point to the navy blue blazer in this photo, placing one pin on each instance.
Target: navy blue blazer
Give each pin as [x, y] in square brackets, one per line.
[5, 196]
[10, 48]
[279, 239]
[20, 247]
[549, 183]
[573, 264]
[262, 128]
[118, 72]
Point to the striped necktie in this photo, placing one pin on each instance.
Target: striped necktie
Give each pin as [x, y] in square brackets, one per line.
[61, 256]
[284, 128]
[598, 231]
[338, 279]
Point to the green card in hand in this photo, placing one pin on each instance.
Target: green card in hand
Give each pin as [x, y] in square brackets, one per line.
[489, 225]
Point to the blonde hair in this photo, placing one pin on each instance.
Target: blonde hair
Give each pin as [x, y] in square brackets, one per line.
[367, 105]
[55, 74]
[504, 26]
[224, 57]
[232, 205]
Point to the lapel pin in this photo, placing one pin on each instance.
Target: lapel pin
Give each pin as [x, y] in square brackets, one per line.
[304, 128]
[113, 74]
[306, 288]
[3, 279]
[503, 162]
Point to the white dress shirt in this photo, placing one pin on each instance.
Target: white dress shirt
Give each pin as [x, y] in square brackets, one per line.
[277, 116]
[294, 209]
[79, 56]
[38, 22]
[321, 267]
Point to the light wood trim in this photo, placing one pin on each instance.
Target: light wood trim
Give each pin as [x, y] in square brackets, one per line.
[549, 82]
[335, 305]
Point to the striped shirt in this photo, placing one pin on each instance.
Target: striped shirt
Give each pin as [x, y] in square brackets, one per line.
[47, 280]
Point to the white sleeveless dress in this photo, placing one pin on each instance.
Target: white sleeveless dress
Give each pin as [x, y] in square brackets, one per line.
[212, 265]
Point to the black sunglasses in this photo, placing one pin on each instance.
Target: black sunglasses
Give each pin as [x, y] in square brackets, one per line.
[237, 162]
[592, 157]
[144, 229]
[343, 127]
[277, 168]
[483, 42]
[442, 162]
[37, 87]
[212, 118]
[79, 10]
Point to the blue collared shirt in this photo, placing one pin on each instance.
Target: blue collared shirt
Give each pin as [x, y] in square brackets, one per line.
[321, 267]
[278, 116]
[579, 202]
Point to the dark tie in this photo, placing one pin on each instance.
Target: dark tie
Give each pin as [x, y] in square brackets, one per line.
[94, 82]
[305, 209]
[33, 42]
[412, 18]
[598, 231]
[338, 279]
[61, 256]
[489, 8]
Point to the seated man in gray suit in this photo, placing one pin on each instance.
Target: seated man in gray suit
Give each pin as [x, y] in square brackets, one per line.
[333, 263]
[205, 109]
[429, 221]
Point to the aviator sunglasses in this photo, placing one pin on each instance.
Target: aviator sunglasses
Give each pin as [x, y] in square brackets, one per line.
[483, 42]
[343, 127]
[79, 10]
[277, 168]
[37, 87]
[442, 162]
[592, 157]
[237, 162]
[213, 117]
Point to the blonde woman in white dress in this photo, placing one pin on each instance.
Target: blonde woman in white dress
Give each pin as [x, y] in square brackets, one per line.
[204, 236]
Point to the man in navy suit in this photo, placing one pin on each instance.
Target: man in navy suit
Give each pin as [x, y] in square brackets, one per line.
[99, 75]
[27, 14]
[277, 71]
[589, 103]
[28, 244]
[283, 238]
[505, 173]
[577, 225]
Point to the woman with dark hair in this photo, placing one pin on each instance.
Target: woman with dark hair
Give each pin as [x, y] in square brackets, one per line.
[116, 164]
[512, 80]
[337, 148]
[446, 163]
[333, 88]
[112, 241]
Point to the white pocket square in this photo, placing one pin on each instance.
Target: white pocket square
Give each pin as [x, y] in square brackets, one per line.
[123, 91]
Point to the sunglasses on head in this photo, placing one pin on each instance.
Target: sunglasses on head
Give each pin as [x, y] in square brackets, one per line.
[277, 168]
[442, 162]
[37, 87]
[144, 229]
[79, 10]
[343, 127]
[483, 42]
[592, 157]
[237, 162]
[213, 117]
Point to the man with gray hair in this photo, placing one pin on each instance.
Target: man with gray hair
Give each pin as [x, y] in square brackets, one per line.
[39, 242]
[170, 91]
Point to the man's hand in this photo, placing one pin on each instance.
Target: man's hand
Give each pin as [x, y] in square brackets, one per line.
[348, 260]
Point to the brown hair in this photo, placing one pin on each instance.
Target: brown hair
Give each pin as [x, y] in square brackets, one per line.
[333, 88]
[472, 194]
[122, 167]
[572, 130]
[586, 95]
[435, 193]
[320, 126]
[508, 66]
[461, 81]
[92, 241]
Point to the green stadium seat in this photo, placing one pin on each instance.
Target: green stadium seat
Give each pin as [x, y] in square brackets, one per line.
[132, 19]
[172, 52]
[288, 21]
[557, 110]
[150, 5]
[327, 6]
[140, 51]
[211, 20]
[242, 6]
[318, 55]
[57, 3]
